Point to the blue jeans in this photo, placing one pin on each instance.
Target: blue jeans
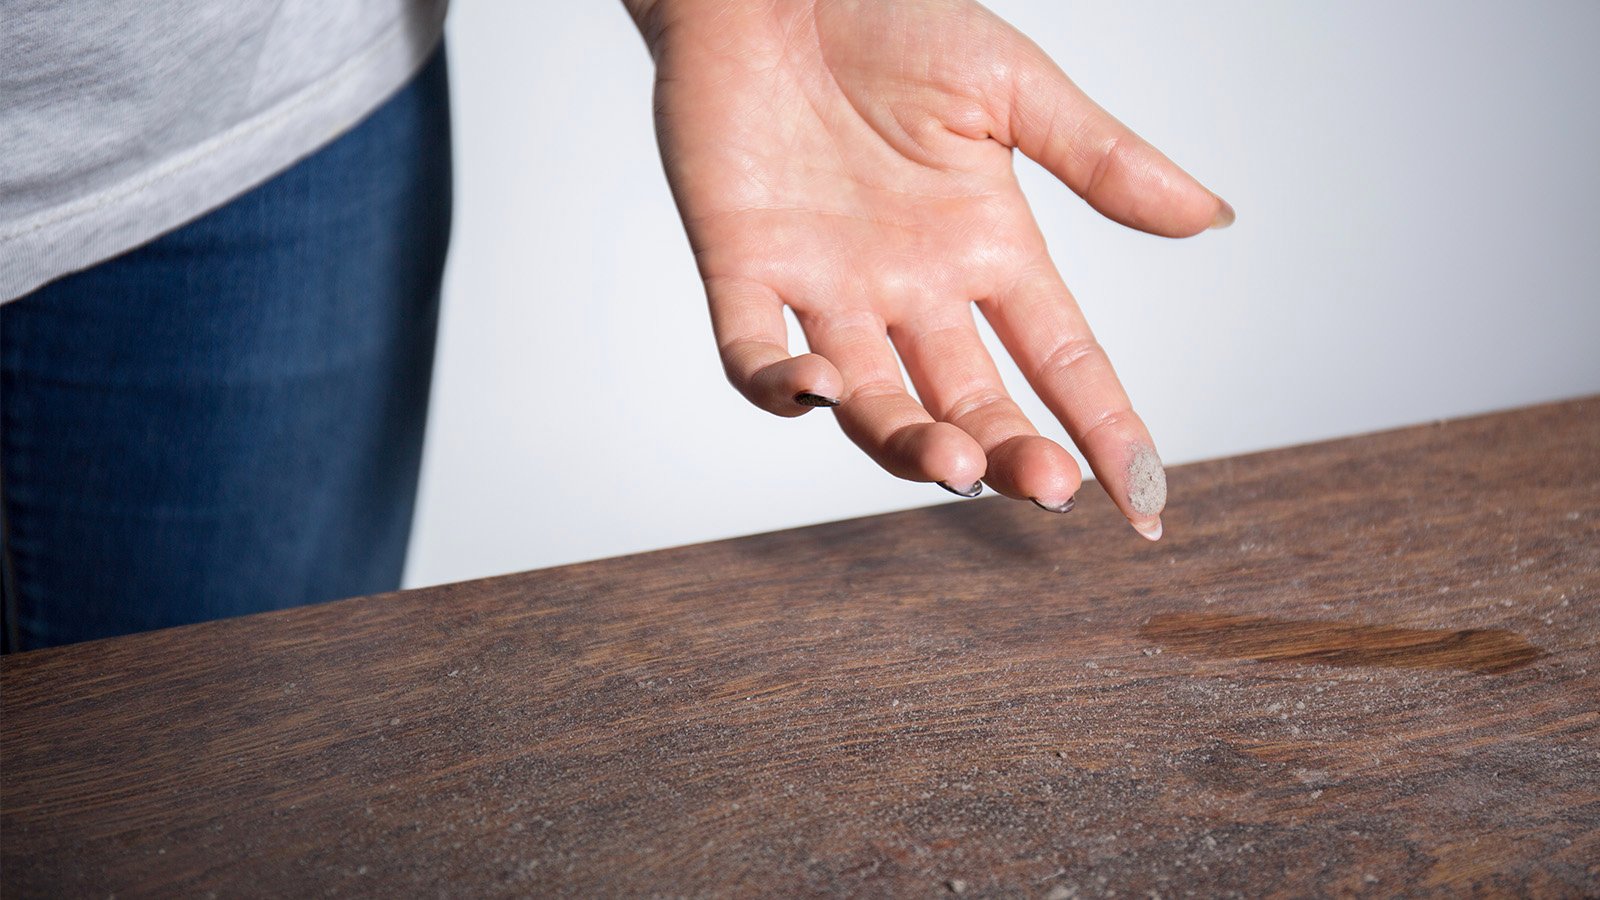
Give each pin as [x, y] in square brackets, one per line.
[230, 418]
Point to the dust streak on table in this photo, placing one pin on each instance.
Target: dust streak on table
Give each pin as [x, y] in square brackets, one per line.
[1365, 667]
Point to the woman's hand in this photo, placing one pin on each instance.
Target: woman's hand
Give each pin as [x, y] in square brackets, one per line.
[853, 161]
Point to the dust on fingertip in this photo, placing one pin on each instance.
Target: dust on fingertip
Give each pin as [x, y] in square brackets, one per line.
[1147, 482]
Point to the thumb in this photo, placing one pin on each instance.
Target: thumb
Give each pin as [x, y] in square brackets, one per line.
[1055, 124]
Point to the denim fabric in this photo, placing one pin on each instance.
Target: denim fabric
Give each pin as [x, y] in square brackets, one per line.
[230, 418]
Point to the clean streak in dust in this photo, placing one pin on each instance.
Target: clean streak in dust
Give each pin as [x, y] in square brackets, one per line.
[1266, 639]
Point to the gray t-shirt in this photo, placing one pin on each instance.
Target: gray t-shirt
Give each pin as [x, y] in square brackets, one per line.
[123, 119]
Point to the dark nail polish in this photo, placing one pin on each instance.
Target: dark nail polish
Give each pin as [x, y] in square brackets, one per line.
[975, 490]
[1063, 508]
[806, 398]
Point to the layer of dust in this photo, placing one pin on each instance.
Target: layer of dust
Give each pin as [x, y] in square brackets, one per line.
[1147, 482]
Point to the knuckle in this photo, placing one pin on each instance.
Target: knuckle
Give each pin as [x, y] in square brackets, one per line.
[847, 321]
[975, 403]
[1107, 419]
[1069, 355]
[739, 358]
[1109, 157]
[876, 390]
[928, 343]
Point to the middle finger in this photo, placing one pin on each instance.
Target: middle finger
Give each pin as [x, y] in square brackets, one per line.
[958, 383]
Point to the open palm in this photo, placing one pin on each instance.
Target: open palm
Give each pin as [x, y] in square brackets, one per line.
[852, 160]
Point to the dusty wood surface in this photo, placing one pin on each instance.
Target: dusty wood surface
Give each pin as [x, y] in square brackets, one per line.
[1365, 667]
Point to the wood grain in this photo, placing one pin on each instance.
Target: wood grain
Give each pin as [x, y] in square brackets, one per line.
[1265, 639]
[977, 698]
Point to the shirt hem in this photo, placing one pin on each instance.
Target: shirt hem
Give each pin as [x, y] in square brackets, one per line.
[92, 229]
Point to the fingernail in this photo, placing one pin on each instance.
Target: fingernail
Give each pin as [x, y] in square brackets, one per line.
[1225, 215]
[1151, 531]
[806, 398]
[973, 490]
[1061, 508]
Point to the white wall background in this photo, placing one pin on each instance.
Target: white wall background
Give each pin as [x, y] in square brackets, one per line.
[1418, 187]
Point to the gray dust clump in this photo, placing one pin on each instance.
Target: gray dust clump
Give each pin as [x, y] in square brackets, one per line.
[1147, 482]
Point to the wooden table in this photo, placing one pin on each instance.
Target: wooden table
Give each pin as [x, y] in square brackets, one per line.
[1362, 667]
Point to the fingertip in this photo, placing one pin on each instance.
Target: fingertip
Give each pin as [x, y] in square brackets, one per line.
[1146, 486]
[1158, 197]
[816, 376]
[1131, 472]
[938, 452]
[794, 386]
[1032, 467]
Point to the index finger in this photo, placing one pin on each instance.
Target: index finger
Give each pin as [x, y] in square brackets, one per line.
[1045, 332]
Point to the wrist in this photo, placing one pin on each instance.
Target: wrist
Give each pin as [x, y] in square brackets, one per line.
[647, 17]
